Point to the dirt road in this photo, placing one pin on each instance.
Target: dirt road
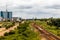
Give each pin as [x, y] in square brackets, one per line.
[8, 30]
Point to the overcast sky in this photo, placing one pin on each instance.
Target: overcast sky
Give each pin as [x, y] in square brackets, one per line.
[32, 8]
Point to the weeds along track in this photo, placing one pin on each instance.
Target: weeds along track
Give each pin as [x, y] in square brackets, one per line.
[47, 34]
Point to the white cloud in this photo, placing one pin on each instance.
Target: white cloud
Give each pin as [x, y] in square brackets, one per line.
[31, 8]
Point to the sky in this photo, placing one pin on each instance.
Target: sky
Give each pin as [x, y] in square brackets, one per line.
[32, 8]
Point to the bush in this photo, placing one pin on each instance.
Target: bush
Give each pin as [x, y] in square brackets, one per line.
[55, 22]
[0, 26]
[2, 38]
[11, 32]
[8, 25]
[6, 34]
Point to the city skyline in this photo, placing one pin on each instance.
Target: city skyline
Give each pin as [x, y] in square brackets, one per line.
[32, 8]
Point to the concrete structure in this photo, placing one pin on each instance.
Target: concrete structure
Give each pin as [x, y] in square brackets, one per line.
[16, 18]
[6, 15]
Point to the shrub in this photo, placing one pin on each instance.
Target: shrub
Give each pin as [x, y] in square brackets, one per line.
[11, 32]
[2, 38]
[6, 34]
[0, 26]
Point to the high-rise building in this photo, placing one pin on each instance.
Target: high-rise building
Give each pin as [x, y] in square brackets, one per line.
[9, 15]
[6, 15]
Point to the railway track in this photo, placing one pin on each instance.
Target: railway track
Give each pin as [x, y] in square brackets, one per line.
[47, 34]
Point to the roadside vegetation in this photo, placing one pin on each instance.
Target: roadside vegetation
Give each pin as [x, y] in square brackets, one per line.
[22, 32]
[51, 25]
[6, 24]
[26, 32]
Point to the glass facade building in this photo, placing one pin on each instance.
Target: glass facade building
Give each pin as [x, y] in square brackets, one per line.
[6, 15]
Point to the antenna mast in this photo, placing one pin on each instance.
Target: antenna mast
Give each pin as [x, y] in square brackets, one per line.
[6, 7]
